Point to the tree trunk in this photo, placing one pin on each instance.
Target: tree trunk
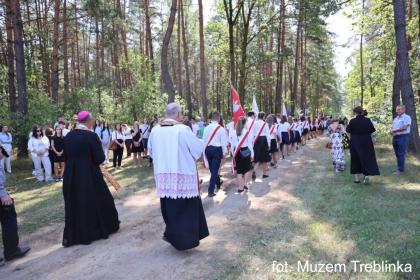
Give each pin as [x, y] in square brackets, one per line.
[280, 58]
[231, 19]
[20, 75]
[362, 78]
[168, 85]
[149, 37]
[403, 72]
[246, 18]
[65, 50]
[179, 57]
[54, 70]
[187, 67]
[10, 58]
[297, 57]
[203, 85]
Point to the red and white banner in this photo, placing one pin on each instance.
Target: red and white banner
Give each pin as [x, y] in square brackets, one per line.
[238, 111]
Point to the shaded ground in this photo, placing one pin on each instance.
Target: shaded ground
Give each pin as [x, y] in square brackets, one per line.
[302, 212]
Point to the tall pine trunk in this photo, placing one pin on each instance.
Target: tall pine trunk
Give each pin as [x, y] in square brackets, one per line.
[187, 67]
[149, 40]
[403, 72]
[280, 57]
[20, 76]
[203, 85]
[168, 85]
[10, 58]
[54, 69]
[297, 58]
[65, 50]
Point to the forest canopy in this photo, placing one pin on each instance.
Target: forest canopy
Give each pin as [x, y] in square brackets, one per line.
[124, 60]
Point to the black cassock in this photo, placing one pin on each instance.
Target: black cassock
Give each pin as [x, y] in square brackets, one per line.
[90, 212]
[362, 151]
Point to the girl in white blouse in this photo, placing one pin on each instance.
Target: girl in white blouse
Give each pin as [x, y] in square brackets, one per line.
[243, 153]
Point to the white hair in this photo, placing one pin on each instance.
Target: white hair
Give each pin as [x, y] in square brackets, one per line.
[172, 109]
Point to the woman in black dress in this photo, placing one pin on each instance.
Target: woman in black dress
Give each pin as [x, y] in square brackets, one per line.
[57, 146]
[136, 145]
[362, 151]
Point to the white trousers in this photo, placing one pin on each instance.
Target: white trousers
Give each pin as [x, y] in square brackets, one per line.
[7, 161]
[39, 172]
[106, 152]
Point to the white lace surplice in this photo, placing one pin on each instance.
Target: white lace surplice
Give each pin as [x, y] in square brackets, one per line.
[174, 150]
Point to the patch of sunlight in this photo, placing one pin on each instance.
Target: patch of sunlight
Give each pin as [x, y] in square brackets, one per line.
[329, 241]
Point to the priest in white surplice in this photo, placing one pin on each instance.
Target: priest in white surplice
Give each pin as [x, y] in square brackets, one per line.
[175, 150]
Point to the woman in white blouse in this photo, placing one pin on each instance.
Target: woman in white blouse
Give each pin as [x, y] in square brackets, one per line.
[38, 146]
[243, 151]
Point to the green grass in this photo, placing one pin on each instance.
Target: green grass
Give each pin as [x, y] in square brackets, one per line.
[327, 219]
[330, 220]
[40, 204]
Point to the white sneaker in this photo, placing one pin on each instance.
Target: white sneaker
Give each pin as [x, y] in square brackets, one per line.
[366, 180]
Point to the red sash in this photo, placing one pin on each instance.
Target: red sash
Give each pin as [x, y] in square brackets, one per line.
[292, 126]
[240, 144]
[211, 138]
[259, 133]
[272, 129]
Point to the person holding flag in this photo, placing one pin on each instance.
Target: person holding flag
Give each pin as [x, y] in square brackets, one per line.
[261, 144]
[237, 109]
[215, 139]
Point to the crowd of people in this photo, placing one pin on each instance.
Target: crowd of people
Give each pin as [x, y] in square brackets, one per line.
[173, 144]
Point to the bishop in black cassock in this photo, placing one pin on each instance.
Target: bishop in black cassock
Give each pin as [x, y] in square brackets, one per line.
[90, 212]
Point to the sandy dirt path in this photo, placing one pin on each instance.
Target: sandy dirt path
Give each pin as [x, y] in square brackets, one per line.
[137, 250]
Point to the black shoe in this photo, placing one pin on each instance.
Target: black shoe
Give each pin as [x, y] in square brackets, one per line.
[356, 182]
[65, 243]
[1, 262]
[165, 239]
[254, 176]
[272, 164]
[219, 185]
[240, 191]
[211, 194]
[246, 188]
[265, 176]
[20, 252]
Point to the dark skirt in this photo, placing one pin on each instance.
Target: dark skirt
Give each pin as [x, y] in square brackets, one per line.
[273, 146]
[362, 156]
[185, 222]
[297, 136]
[242, 164]
[285, 139]
[138, 149]
[305, 131]
[57, 158]
[292, 137]
[261, 150]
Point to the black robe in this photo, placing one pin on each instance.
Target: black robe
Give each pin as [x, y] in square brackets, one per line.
[362, 151]
[185, 222]
[90, 212]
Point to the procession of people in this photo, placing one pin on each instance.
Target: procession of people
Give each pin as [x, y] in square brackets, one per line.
[173, 145]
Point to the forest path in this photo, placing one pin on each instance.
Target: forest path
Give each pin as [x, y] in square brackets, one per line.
[137, 251]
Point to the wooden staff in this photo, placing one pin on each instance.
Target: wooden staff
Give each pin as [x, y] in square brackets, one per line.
[110, 178]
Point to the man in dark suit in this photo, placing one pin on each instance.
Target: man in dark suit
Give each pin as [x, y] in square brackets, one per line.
[9, 228]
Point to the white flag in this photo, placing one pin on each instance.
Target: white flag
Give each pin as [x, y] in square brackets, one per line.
[284, 110]
[255, 106]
